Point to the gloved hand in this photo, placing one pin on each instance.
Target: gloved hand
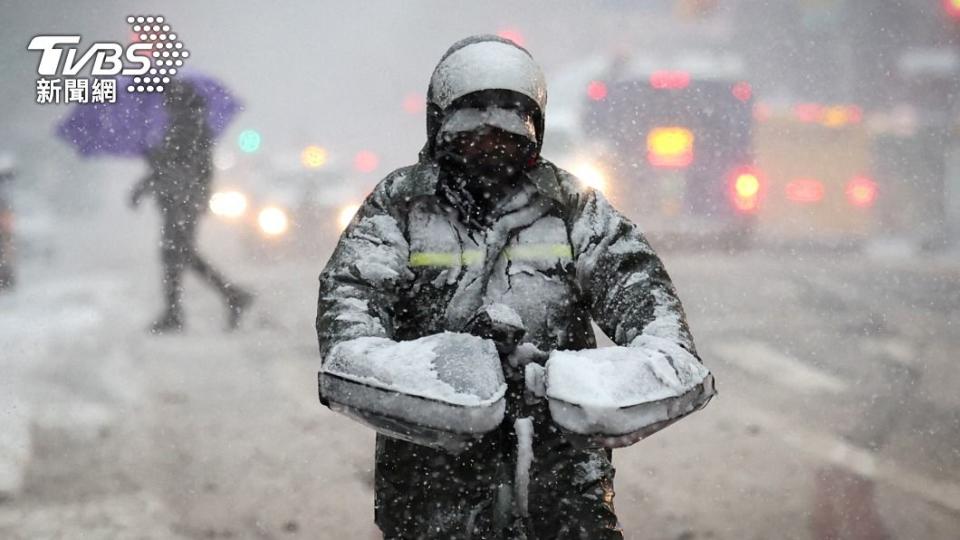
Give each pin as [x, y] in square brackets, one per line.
[535, 379]
[500, 324]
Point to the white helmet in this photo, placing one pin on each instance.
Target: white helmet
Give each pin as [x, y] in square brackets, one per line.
[485, 63]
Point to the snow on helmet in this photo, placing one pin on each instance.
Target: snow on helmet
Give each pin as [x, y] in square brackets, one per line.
[480, 65]
[486, 63]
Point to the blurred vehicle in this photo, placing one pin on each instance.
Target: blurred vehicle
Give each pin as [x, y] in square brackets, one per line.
[816, 183]
[673, 146]
[6, 226]
[288, 212]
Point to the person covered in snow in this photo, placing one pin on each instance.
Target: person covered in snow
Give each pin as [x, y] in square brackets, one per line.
[483, 220]
[181, 169]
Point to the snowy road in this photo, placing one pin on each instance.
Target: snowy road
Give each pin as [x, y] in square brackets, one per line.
[837, 414]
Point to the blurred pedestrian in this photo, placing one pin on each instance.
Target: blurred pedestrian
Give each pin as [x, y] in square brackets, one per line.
[181, 169]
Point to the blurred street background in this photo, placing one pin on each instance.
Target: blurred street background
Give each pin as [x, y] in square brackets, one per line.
[796, 164]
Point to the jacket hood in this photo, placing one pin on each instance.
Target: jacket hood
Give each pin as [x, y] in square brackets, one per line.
[484, 64]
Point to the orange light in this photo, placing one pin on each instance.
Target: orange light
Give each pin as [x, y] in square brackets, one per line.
[670, 80]
[861, 192]
[313, 156]
[596, 90]
[805, 191]
[670, 147]
[841, 115]
[835, 116]
[746, 190]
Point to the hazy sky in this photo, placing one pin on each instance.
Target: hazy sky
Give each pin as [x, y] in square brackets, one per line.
[331, 73]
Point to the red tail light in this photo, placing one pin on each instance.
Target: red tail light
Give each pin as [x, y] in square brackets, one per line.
[597, 90]
[805, 191]
[513, 35]
[854, 114]
[746, 188]
[366, 161]
[861, 192]
[952, 7]
[808, 112]
[669, 80]
[742, 91]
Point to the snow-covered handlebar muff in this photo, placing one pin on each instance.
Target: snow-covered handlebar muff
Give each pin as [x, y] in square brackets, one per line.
[442, 390]
[616, 396]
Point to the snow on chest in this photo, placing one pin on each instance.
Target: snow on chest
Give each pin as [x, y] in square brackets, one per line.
[543, 246]
[440, 243]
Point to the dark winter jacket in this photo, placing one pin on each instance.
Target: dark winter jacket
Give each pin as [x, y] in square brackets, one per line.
[556, 253]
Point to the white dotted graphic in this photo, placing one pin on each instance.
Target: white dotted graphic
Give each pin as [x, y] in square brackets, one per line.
[166, 51]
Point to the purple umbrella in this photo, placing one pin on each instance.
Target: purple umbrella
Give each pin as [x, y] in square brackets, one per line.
[138, 121]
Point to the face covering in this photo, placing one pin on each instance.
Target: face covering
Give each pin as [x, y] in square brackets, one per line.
[485, 156]
[480, 168]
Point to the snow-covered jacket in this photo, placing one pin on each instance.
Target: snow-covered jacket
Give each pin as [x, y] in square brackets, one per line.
[558, 254]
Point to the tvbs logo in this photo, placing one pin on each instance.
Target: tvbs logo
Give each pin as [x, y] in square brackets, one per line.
[106, 57]
[150, 60]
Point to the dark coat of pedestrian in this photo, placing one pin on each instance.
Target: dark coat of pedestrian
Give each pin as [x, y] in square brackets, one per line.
[181, 171]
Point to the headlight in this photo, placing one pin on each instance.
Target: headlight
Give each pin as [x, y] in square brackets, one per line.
[346, 214]
[590, 175]
[228, 204]
[273, 221]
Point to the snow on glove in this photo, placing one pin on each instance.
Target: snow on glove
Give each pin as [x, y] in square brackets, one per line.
[616, 396]
[441, 390]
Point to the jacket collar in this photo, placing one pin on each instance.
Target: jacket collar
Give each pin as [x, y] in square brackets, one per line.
[422, 181]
